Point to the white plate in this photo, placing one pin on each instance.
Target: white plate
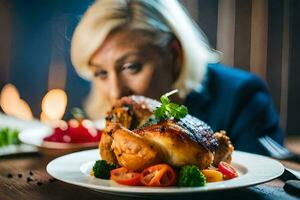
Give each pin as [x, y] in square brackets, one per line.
[75, 169]
[34, 136]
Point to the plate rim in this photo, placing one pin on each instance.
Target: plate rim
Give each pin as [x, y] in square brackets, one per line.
[135, 190]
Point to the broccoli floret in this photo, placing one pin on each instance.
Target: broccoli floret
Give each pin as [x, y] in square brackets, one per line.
[102, 169]
[190, 176]
[9, 136]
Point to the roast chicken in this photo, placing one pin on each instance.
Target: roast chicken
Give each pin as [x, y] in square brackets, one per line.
[133, 138]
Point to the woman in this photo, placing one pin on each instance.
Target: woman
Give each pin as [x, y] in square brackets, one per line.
[151, 47]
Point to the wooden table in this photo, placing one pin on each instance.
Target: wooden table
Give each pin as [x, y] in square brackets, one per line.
[43, 187]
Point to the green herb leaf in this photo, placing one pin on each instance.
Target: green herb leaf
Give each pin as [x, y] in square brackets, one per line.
[164, 99]
[168, 109]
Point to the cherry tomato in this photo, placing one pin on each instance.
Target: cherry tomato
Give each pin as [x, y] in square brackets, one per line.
[158, 175]
[124, 176]
[227, 170]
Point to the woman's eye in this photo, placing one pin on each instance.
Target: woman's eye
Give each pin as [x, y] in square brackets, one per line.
[101, 74]
[133, 68]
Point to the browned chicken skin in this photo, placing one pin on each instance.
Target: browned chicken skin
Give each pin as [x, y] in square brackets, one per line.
[126, 114]
[129, 113]
[133, 151]
[106, 151]
[131, 142]
[225, 149]
[176, 146]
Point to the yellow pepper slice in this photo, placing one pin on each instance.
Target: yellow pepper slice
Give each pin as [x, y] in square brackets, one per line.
[212, 175]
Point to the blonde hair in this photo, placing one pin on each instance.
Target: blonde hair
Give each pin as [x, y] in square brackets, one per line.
[156, 16]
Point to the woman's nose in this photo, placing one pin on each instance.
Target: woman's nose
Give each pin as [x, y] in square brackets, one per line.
[117, 88]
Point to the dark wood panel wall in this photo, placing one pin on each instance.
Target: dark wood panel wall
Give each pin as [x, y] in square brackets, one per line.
[275, 44]
[293, 108]
[5, 41]
[261, 36]
[34, 45]
[242, 43]
[208, 19]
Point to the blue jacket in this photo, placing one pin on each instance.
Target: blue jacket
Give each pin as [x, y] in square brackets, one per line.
[237, 102]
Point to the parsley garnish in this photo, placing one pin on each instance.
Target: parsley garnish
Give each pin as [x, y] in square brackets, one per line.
[168, 109]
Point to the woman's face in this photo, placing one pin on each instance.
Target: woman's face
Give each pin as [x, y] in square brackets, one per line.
[128, 63]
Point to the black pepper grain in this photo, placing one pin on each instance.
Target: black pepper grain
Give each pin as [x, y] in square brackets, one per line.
[52, 180]
[30, 173]
[9, 175]
[20, 175]
[29, 179]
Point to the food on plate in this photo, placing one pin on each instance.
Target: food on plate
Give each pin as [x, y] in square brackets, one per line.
[9, 136]
[101, 169]
[125, 176]
[224, 150]
[227, 170]
[160, 175]
[191, 176]
[75, 131]
[212, 175]
[142, 133]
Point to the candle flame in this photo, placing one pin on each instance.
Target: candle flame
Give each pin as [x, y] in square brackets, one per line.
[54, 105]
[12, 104]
